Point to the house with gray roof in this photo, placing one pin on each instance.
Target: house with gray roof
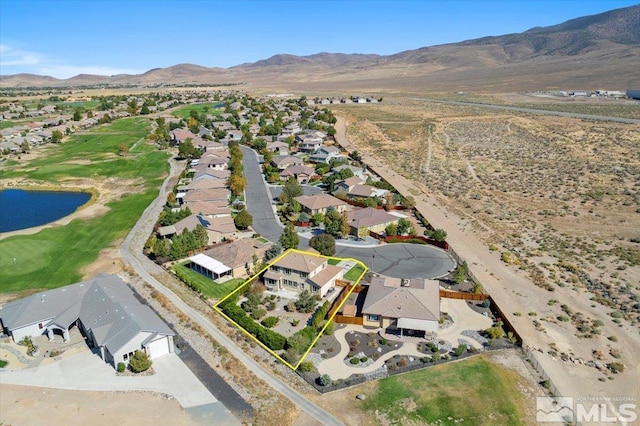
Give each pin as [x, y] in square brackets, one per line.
[105, 311]
[404, 306]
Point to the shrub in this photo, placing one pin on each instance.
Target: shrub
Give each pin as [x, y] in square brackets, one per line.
[364, 359]
[324, 380]
[329, 329]
[258, 313]
[270, 322]
[616, 367]
[121, 367]
[383, 341]
[613, 338]
[494, 332]
[486, 303]
[354, 360]
[563, 318]
[306, 366]
[140, 362]
[460, 349]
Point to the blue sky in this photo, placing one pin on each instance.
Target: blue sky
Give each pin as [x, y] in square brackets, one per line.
[63, 38]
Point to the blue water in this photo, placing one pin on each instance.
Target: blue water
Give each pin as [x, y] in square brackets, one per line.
[21, 209]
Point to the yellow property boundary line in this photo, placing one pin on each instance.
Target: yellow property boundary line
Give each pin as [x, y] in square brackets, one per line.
[319, 333]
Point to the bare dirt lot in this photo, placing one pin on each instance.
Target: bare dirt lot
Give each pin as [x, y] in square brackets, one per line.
[545, 209]
[24, 405]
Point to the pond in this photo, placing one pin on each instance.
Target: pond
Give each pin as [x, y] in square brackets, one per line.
[20, 209]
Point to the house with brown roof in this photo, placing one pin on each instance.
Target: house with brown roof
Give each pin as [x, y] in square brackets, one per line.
[363, 221]
[284, 161]
[218, 228]
[239, 255]
[298, 271]
[321, 203]
[300, 172]
[404, 306]
[209, 208]
[208, 194]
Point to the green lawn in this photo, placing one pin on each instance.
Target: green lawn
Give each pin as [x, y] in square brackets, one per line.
[354, 273]
[213, 108]
[55, 256]
[206, 286]
[470, 392]
[333, 261]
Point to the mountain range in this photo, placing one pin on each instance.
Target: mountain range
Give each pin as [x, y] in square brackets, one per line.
[598, 51]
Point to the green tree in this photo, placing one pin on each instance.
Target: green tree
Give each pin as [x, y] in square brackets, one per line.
[324, 380]
[289, 238]
[391, 230]
[77, 114]
[291, 190]
[306, 302]
[56, 136]
[344, 225]
[201, 236]
[461, 272]
[324, 243]
[403, 226]
[333, 223]
[273, 251]
[437, 234]
[243, 219]
[140, 362]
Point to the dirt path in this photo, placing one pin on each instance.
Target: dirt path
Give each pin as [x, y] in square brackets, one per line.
[518, 294]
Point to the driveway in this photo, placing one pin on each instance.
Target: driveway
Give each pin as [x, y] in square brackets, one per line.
[86, 371]
[394, 260]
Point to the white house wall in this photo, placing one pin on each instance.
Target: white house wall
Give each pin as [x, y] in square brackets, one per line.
[30, 330]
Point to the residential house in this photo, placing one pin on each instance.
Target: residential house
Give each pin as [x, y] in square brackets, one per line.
[325, 154]
[209, 194]
[239, 256]
[178, 136]
[321, 203]
[218, 228]
[357, 171]
[404, 306]
[103, 309]
[354, 187]
[348, 184]
[209, 208]
[297, 271]
[363, 221]
[284, 161]
[300, 172]
[234, 135]
[278, 148]
[291, 129]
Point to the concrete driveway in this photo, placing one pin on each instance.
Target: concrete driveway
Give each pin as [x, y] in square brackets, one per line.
[88, 372]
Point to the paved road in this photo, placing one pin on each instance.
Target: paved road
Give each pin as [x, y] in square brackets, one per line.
[131, 252]
[394, 260]
[535, 111]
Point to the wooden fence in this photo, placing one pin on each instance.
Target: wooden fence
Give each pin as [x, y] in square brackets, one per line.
[341, 319]
[448, 294]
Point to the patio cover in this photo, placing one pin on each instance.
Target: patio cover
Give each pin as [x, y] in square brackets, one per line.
[417, 324]
[209, 263]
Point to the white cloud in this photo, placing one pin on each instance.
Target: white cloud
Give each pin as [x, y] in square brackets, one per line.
[13, 61]
[15, 57]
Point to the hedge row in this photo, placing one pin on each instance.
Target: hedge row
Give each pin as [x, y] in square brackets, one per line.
[319, 314]
[270, 338]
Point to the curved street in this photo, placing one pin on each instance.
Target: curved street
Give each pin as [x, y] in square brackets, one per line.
[394, 260]
[131, 251]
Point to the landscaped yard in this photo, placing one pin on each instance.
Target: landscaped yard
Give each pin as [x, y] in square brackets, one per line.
[55, 256]
[212, 108]
[204, 285]
[333, 261]
[474, 391]
[354, 273]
